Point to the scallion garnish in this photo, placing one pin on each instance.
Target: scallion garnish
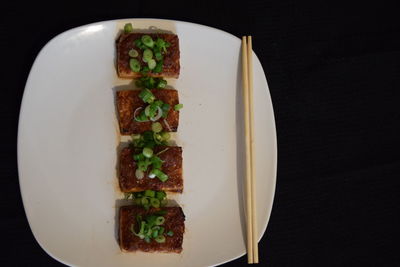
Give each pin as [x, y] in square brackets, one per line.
[159, 220]
[155, 202]
[134, 65]
[165, 136]
[128, 28]
[133, 53]
[147, 96]
[178, 106]
[162, 83]
[159, 67]
[147, 152]
[147, 55]
[160, 175]
[151, 63]
[149, 193]
[139, 174]
[147, 40]
[160, 239]
[156, 127]
[170, 233]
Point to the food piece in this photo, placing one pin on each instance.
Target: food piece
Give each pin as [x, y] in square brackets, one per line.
[169, 240]
[128, 101]
[171, 166]
[170, 66]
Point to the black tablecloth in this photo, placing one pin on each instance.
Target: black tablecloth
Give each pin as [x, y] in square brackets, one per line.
[334, 77]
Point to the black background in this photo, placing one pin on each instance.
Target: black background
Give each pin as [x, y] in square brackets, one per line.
[334, 75]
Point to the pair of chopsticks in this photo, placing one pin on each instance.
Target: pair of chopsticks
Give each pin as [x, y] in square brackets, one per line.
[247, 77]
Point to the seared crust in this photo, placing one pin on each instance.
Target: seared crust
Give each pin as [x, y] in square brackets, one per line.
[128, 101]
[172, 167]
[126, 42]
[174, 221]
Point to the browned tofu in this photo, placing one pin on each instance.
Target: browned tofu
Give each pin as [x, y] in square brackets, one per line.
[128, 101]
[126, 42]
[172, 167]
[174, 221]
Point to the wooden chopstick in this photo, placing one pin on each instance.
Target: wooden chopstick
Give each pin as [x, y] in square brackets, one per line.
[251, 114]
[249, 216]
[247, 77]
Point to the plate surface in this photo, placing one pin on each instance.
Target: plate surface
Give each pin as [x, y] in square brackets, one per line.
[68, 138]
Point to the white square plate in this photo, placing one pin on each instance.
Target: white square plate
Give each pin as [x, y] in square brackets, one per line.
[68, 138]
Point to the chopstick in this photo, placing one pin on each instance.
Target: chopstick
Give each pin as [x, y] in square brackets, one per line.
[247, 78]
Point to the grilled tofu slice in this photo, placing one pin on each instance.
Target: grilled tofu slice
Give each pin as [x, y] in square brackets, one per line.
[126, 42]
[128, 101]
[174, 221]
[172, 167]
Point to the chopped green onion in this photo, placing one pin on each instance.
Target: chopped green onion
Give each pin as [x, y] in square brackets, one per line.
[160, 175]
[147, 55]
[159, 67]
[151, 110]
[149, 193]
[155, 202]
[147, 40]
[139, 174]
[147, 152]
[151, 175]
[151, 219]
[157, 138]
[133, 53]
[145, 70]
[128, 28]
[139, 44]
[160, 195]
[165, 136]
[135, 136]
[144, 164]
[162, 83]
[145, 201]
[147, 96]
[160, 239]
[165, 107]
[159, 220]
[138, 157]
[154, 234]
[134, 65]
[161, 231]
[141, 230]
[158, 55]
[142, 117]
[151, 63]
[149, 231]
[178, 106]
[158, 103]
[147, 239]
[170, 233]
[156, 127]
[164, 202]
[156, 162]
